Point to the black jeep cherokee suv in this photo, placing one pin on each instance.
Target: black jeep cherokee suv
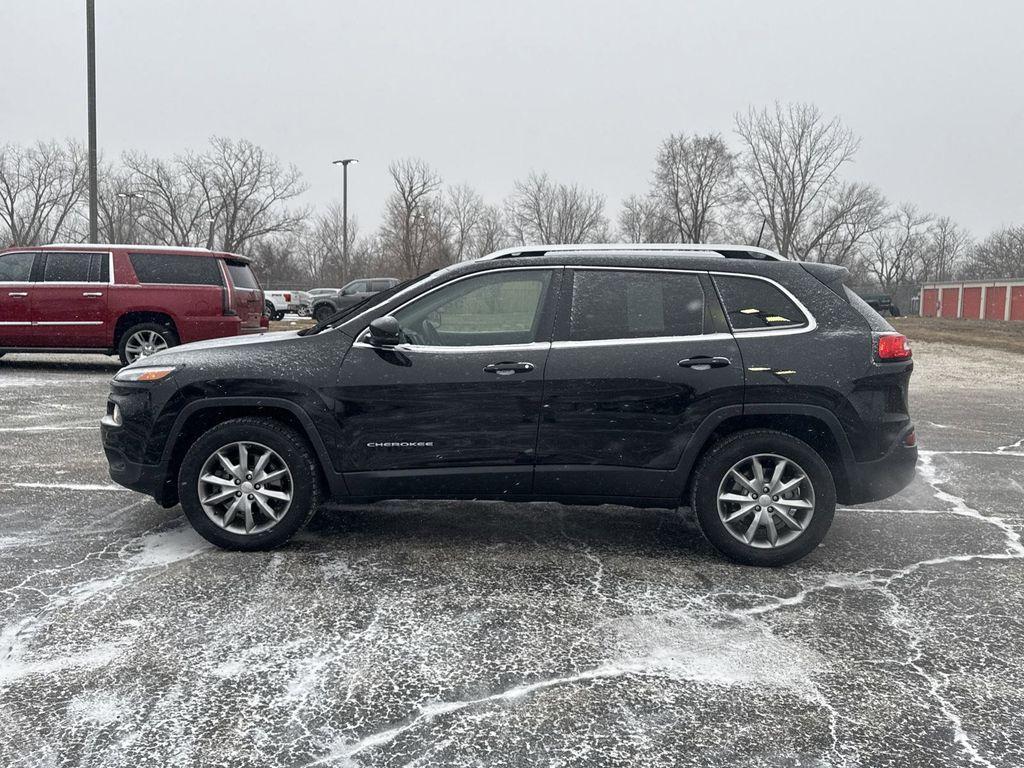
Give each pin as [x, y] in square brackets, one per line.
[759, 391]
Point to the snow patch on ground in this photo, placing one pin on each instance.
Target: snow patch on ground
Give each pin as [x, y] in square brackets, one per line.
[95, 708]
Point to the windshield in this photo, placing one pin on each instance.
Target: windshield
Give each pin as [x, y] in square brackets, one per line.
[369, 301]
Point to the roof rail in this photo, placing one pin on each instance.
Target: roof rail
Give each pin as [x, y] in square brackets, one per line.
[704, 249]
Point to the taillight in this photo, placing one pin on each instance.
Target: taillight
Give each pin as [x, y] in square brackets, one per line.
[910, 439]
[892, 346]
[288, 298]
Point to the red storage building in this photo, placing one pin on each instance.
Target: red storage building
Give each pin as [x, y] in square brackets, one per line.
[974, 299]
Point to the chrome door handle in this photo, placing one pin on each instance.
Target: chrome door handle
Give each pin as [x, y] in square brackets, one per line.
[17, 293]
[702, 363]
[507, 369]
[93, 293]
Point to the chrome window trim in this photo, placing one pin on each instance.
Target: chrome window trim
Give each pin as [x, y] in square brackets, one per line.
[532, 346]
[418, 347]
[812, 323]
[15, 322]
[69, 322]
[634, 341]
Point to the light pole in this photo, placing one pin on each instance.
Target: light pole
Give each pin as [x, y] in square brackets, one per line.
[344, 207]
[130, 197]
[90, 66]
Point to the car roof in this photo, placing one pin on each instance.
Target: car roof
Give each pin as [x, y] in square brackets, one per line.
[185, 250]
[717, 250]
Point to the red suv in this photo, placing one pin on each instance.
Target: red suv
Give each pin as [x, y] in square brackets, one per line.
[132, 300]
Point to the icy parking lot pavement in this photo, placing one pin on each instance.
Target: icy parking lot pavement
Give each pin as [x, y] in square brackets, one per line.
[408, 633]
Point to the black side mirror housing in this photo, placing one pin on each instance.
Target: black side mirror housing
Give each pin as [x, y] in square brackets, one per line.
[385, 332]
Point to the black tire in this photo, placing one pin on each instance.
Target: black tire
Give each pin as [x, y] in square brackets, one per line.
[165, 332]
[718, 461]
[268, 310]
[297, 456]
[277, 316]
[322, 311]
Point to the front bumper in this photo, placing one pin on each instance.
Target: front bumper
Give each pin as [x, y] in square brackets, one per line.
[884, 477]
[150, 479]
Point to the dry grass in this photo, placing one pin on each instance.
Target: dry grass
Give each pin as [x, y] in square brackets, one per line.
[991, 334]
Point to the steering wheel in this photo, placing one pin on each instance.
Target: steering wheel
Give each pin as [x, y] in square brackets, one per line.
[430, 334]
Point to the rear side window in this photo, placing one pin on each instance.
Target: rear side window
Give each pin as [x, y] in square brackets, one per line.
[241, 275]
[379, 285]
[754, 305]
[74, 268]
[16, 267]
[612, 304]
[173, 268]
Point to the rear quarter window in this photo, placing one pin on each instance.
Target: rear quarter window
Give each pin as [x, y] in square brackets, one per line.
[175, 269]
[752, 304]
[241, 275]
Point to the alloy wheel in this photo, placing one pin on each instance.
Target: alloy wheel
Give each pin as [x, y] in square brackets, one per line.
[143, 344]
[766, 501]
[245, 487]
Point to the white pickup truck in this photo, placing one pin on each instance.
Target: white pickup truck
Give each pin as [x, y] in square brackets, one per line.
[279, 302]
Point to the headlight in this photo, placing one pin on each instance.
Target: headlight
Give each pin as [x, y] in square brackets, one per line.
[151, 373]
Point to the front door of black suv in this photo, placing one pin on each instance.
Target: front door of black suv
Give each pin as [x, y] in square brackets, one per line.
[454, 408]
[639, 360]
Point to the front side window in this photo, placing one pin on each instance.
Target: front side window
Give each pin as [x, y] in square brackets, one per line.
[754, 305]
[624, 304]
[174, 268]
[16, 267]
[358, 286]
[488, 309]
[72, 267]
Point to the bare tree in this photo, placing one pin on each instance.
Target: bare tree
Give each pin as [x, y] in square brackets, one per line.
[40, 188]
[643, 220]
[411, 212]
[791, 162]
[176, 206]
[895, 252]
[948, 246]
[842, 227]
[250, 189]
[695, 180]
[492, 235]
[465, 211]
[1000, 256]
[541, 211]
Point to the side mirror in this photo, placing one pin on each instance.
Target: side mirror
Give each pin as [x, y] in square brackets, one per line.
[385, 332]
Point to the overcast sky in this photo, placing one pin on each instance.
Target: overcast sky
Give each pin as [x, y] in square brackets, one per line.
[487, 91]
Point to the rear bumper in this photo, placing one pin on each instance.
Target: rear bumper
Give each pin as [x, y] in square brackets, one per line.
[884, 477]
[150, 479]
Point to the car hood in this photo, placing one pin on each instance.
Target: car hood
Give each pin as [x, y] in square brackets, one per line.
[233, 353]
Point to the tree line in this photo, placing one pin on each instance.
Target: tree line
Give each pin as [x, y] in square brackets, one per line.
[781, 180]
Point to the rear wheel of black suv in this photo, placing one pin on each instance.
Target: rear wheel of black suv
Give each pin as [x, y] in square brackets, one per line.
[763, 497]
[249, 483]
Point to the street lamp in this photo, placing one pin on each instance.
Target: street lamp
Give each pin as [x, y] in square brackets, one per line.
[344, 205]
[130, 196]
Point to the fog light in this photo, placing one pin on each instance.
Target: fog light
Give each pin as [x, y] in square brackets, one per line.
[911, 439]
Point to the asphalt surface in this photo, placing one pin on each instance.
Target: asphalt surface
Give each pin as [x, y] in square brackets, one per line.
[489, 634]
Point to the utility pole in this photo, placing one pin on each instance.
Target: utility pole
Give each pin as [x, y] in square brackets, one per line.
[90, 46]
[344, 207]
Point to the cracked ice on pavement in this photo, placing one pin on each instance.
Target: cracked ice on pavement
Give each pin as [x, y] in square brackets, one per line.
[454, 633]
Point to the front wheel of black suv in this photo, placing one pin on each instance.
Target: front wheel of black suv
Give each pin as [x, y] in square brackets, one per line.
[763, 497]
[249, 484]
